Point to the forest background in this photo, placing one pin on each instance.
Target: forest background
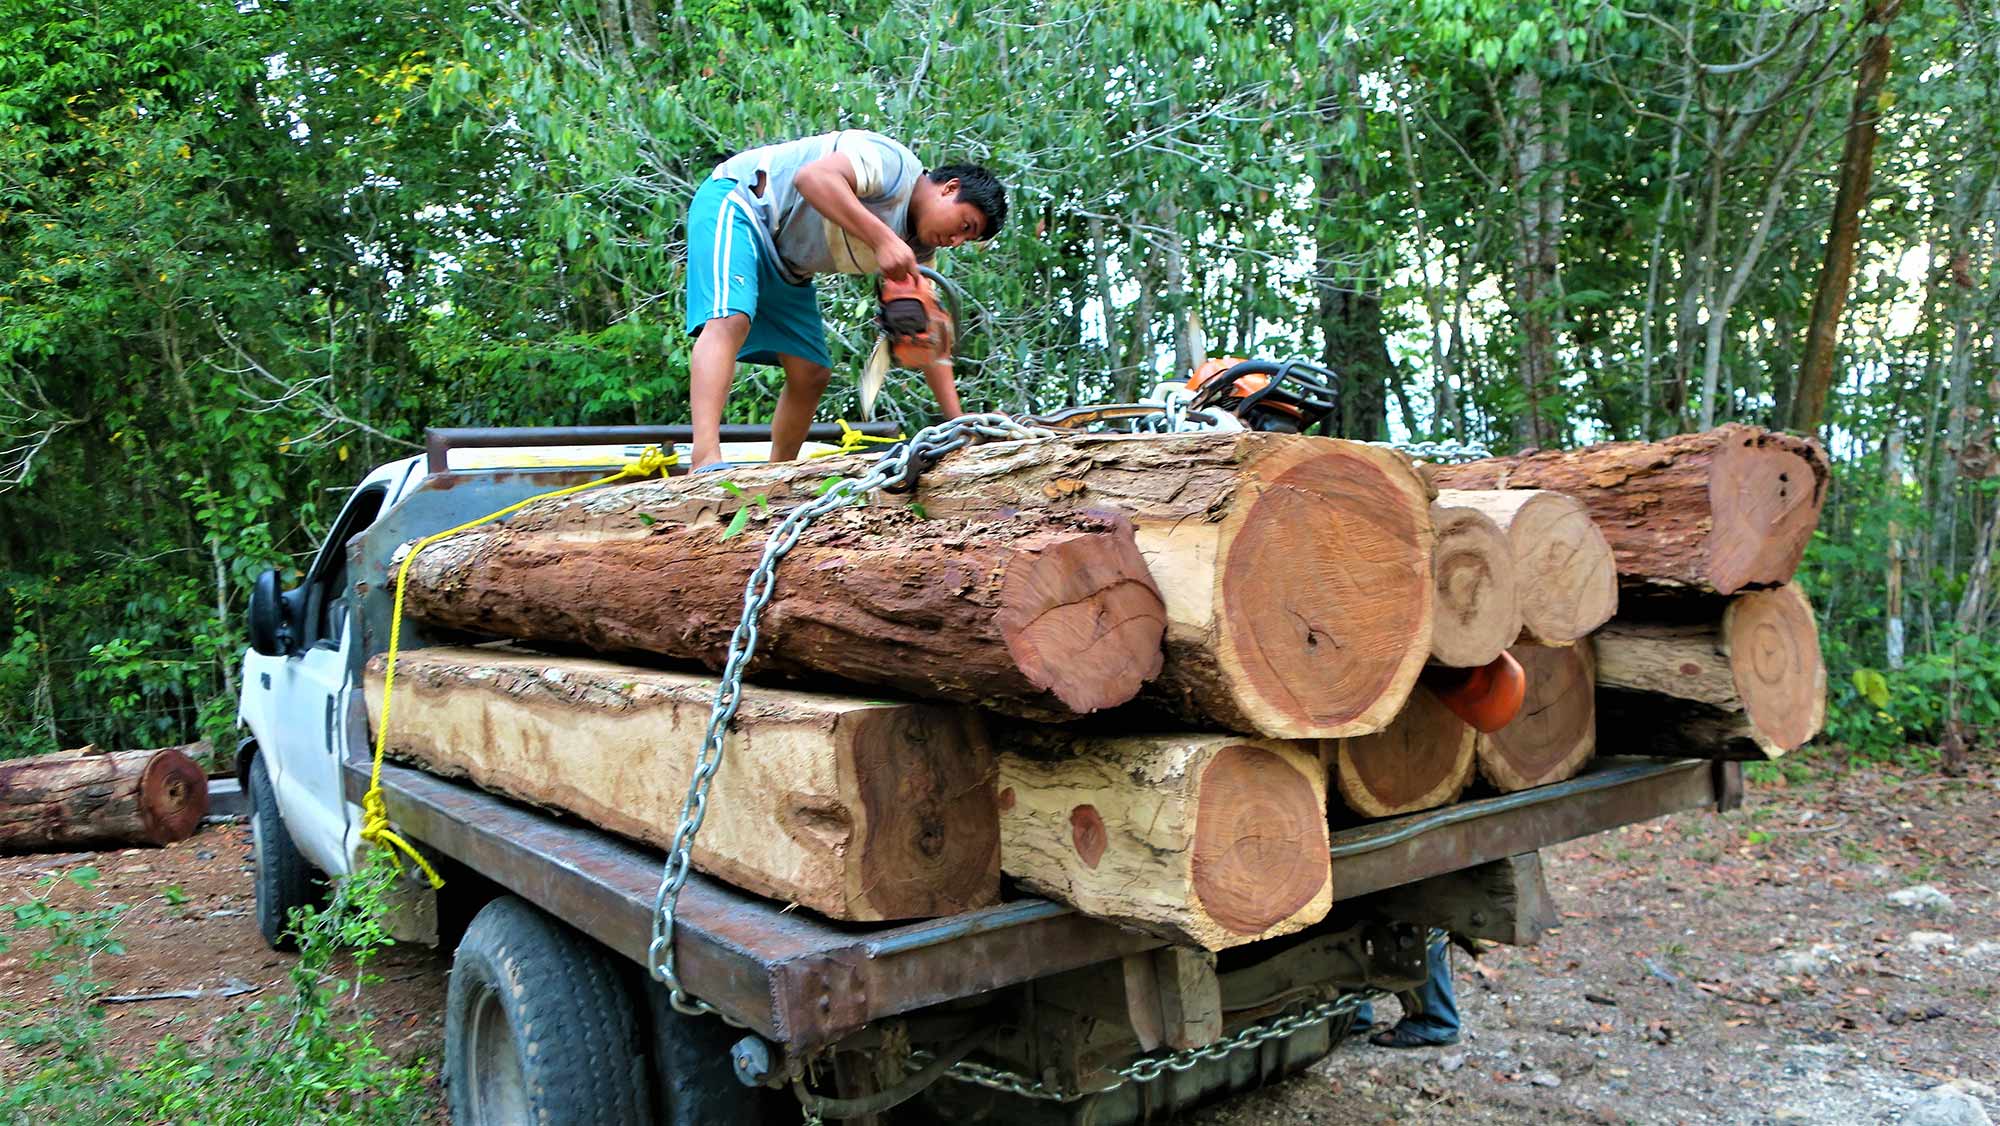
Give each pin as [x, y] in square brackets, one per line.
[248, 250]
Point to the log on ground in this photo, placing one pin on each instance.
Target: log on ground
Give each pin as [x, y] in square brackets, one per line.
[1556, 730]
[1423, 760]
[1725, 510]
[1208, 840]
[860, 810]
[1751, 685]
[91, 799]
[1295, 571]
[1478, 600]
[1043, 616]
[1567, 577]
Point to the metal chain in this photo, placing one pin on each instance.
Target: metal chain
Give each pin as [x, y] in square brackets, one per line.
[1443, 451]
[895, 471]
[1149, 1068]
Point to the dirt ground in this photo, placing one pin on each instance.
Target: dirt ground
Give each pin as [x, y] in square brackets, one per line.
[1745, 969]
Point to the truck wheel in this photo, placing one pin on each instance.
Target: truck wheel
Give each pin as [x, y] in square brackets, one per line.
[539, 1027]
[694, 1081]
[285, 879]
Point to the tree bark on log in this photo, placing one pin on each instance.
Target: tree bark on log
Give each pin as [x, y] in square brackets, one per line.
[1210, 840]
[1295, 571]
[1043, 616]
[71, 800]
[1423, 760]
[1563, 567]
[860, 810]
[1751, 685]
[1556, 730]
[1478, 597]
[1718, 512]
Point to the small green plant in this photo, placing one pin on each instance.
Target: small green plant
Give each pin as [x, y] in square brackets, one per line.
[294, 1060]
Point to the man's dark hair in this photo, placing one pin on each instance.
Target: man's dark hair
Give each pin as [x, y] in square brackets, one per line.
[981, 189]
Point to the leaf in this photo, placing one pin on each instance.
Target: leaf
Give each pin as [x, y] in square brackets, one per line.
[731, 487]
[173, 894]
[919, 510]
[647, 520]
[736, 524]
[1873, 686]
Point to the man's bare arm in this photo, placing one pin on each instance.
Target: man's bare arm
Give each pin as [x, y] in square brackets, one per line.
[944, 385]
[829, 185]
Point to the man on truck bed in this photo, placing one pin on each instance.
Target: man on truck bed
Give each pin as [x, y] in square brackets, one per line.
[851, 202]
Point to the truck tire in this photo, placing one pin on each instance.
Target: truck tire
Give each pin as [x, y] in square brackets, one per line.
[694, 1082]
[285, 878]
[539, 1027]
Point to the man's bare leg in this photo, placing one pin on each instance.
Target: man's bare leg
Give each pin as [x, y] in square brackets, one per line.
[711, 370]
[805, 382]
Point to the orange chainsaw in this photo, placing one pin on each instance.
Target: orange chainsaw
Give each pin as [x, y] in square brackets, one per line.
[917, 330]
[1290, 396]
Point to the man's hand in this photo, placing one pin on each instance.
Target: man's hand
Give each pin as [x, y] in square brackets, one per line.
[895, 259]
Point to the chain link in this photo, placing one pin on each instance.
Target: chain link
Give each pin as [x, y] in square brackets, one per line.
[1442, 451]
[1149, 1068]
[897, 469]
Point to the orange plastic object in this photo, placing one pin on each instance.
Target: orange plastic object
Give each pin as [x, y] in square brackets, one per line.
[1487, 697]
[920, 332]
[1212, 368]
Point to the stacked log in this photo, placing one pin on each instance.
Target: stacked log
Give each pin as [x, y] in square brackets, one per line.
[1422, 760]
[93, 799]
[1555, 732]
[1713, 513]
[1749, 685]
[861, 810]
[1213, 840]
[1562, 564]
[1478, 594]
[1294, 572]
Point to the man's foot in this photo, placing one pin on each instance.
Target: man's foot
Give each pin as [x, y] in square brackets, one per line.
[1401, 1037]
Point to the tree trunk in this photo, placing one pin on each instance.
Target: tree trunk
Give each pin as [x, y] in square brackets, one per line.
[1836, 273]
[1209, 840]
[1563, 567]
[1423, 760]
[1750, 685]
[75, 800]
[858, 809]
[1555, 732]
[1295, 571]
[1712, 513]
[1478, 593]
[1041, 616]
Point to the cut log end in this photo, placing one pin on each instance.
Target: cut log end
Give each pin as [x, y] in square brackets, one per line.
[1571, 582]
[1773, 642]
[1259, 841]
[1556, 730]
[921, 860]
[1478, 603]
[1764, 496]
[173, 797]
[1422, 760]
[1326, 591]
[1083, 620]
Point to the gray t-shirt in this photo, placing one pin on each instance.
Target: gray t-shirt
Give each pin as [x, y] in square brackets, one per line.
[804, 241]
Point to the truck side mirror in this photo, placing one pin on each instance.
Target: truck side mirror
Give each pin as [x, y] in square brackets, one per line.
[271, 632]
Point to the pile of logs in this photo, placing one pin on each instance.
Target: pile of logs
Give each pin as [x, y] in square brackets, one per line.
[1245, 619]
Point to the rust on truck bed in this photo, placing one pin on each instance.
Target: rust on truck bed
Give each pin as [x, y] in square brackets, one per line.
[804, 982]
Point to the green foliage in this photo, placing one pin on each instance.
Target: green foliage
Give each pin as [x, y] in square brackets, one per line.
[297, 1060]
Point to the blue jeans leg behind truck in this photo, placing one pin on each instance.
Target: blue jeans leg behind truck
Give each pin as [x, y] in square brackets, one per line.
[1439, 1021]
[728, 271]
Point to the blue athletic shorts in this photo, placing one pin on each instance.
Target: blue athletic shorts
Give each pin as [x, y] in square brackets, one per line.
[727, 273]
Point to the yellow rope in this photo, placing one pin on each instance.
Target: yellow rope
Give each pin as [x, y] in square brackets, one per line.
[854, 441]
[375, 814]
